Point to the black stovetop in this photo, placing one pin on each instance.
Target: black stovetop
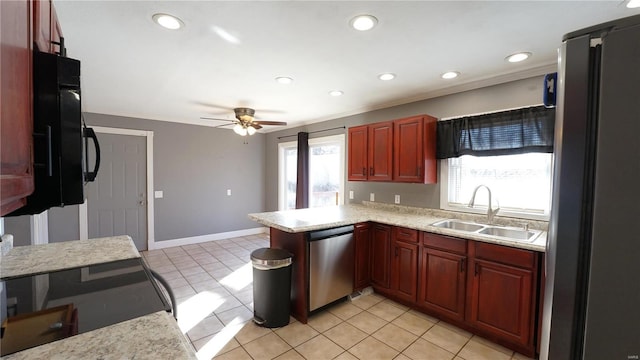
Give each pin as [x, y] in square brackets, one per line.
[103, 294]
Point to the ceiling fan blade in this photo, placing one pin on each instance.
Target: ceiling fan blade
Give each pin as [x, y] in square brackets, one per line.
[262, 122]
[256, 126]
[223, 125]
[217, 119]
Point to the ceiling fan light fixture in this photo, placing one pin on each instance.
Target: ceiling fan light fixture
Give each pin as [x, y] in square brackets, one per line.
[364, 22]
[632, 4]
[238, 129]
[251, 130]
[167, 21]
[518, 57]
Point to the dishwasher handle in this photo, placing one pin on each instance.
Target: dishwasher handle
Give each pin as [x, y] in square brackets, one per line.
[323, 234]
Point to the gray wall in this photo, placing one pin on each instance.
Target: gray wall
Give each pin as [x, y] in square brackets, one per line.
[510, 95]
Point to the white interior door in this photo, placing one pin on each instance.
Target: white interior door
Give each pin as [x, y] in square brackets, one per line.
[117, 199]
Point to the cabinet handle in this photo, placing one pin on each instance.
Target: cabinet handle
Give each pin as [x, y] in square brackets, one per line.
[477, 269]
[364, 171]
[419, 168]
[371, 171]
[462, 265]
[396, 251]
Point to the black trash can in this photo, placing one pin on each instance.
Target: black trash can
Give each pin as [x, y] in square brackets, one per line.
[271, 286]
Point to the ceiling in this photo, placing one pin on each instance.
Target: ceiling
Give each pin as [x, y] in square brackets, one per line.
[228, 54]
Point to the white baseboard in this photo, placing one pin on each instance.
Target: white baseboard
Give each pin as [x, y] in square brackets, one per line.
[205, 238]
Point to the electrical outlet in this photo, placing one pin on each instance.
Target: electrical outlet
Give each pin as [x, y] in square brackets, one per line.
[372, 197]
[397, 199]
[228, 192]
[350, 194]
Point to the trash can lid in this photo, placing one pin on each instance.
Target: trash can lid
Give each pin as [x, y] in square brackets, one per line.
[271, 258]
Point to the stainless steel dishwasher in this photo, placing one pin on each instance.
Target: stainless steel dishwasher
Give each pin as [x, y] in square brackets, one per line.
[331, 256]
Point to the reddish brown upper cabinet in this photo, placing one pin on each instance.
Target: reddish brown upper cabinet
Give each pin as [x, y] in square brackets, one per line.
[362, 273]
[380, 260]
[404, 264]
[502, 295]
[16, 102]
[381, 151]
[401, 150]
[358, 153]
[442, 278]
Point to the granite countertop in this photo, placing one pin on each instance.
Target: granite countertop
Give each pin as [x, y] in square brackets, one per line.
[155, 336]
[35, 259]
[304, 220]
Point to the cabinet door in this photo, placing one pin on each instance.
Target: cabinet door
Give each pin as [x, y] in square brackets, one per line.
[442, 283]
[362, 270]
[381, 151]
[408, 150]
[358, 166]
[501, 301]
[16, 169]
[405, 271]
[380, 251]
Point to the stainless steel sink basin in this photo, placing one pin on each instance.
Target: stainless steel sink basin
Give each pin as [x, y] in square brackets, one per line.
[514, 234]
[458, 225]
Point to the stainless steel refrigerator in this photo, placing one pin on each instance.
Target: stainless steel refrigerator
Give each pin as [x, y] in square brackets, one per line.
[592, 293]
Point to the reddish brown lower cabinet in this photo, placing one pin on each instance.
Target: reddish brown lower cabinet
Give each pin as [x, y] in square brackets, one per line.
[502, 294]
[404, 271]
[380, 255]
[442, 283]
[362, 273]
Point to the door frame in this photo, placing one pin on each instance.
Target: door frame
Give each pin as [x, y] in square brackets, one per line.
[83, 211]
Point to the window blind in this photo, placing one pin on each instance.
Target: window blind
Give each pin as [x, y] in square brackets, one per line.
[510, 132]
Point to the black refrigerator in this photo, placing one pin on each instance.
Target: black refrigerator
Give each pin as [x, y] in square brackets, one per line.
[592, 292]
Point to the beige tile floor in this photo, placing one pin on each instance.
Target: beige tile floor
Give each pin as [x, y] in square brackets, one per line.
[213, 285]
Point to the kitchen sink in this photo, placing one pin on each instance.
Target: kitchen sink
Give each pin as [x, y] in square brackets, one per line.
[515, 234]
[510, 233]
[458, 225]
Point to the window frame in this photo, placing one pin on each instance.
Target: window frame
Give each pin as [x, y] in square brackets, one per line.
[340, 138]
[482, 210]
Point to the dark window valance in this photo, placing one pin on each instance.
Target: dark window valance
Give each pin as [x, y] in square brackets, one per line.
[502, 133]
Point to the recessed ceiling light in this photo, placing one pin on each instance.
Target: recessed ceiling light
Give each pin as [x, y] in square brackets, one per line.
[386, 76]
[450, 75]
[517, 57]
[363, 22]
[632, 4]
[335, 93]
[168, 21]
[284, 80]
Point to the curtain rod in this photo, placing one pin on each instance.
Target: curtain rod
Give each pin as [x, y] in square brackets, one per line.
[313, 132]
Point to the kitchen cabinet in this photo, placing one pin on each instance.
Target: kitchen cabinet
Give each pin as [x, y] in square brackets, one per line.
[414, 150]
[380, 255]
[503, 289]
[401, 150]
[362, 272]
[442, 277]
[404, 264]
[358, 153]
[16, 99]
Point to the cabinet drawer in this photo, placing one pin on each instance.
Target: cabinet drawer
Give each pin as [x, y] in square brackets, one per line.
[406, 235]
[505, 255]
[445, 243]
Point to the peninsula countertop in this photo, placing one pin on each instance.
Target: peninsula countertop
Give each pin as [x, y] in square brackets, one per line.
[303, 220]
[154, 336]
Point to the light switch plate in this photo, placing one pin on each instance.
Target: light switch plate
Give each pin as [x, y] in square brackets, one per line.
[158, 194]
[350, 194]
[397, 199]
[372, 197]
[228, 192]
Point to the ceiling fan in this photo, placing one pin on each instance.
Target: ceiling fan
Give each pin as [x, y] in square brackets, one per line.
[245, 122]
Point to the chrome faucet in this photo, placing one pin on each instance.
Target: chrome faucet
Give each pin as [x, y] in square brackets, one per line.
[490, 212]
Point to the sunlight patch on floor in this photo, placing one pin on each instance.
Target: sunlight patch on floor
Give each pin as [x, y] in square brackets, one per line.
[196, 308]
[218, 341]
[240, 278]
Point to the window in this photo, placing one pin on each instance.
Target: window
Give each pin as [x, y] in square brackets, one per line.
[326, 172]
[520, 184]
